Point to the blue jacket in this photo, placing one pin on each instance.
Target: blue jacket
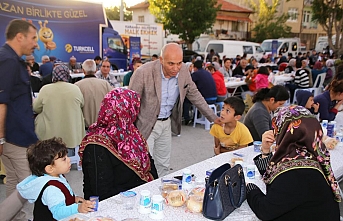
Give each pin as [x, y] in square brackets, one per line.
[52, 197]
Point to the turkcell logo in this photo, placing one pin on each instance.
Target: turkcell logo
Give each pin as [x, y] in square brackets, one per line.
[68, 48]
[78, 48]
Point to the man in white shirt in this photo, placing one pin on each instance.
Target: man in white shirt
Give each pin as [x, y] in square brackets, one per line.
[104, 73]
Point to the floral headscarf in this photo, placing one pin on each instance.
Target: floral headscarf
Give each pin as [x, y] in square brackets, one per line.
[299, 145]
[60, 73]
[115, 131]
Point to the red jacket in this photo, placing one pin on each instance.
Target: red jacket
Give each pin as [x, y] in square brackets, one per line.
[220, 84]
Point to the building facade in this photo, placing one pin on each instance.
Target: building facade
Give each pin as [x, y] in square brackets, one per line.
[300, 20]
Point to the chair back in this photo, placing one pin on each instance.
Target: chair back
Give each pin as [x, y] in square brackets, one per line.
[319, 80]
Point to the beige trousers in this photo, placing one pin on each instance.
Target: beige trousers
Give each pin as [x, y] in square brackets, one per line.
[159, 143]
[17, 169]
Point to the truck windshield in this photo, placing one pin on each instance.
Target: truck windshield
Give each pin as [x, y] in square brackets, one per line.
[267, 45]
[116, 44]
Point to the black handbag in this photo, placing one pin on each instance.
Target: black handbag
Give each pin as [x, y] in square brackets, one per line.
[225, 191]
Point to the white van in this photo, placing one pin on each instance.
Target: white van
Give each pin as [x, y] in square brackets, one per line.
[285, 45]
[231, 49]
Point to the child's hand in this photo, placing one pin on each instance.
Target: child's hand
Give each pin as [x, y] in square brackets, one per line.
[79, 199]
[86, 206]
[315, 107]
[216, 150]
[339, 103]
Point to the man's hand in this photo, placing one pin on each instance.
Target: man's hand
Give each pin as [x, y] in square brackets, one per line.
[86, 206]
[1, 148]
[217, 121]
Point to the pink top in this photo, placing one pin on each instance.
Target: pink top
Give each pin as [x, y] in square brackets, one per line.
[261, 81]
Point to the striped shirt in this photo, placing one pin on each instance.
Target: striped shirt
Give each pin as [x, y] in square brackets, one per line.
[302, 78]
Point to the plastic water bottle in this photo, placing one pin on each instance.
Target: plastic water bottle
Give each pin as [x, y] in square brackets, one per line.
[187, 179]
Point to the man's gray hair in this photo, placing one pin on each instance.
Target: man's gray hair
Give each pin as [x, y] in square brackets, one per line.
[89, 66]
[45, 57]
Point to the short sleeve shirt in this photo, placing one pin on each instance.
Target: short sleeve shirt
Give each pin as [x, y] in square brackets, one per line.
[240, 136]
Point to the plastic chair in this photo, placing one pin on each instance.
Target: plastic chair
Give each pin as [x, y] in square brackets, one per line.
[312, 90]
[202, 119]
[76, 158]
[219, 106]
[318, 84]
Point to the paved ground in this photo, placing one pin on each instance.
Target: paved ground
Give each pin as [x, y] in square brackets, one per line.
[194, 145]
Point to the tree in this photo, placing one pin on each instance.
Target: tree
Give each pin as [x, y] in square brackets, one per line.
[113, 13]
[186, 18]
[269, 23]
[328, 13]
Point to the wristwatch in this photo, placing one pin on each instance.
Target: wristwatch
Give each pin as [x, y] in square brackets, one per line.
[2, 141]
[263, 153]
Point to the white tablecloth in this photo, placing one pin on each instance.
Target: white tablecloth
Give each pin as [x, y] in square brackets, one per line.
[281, 79]
[113, 207]
[234, 84]
[81, 75]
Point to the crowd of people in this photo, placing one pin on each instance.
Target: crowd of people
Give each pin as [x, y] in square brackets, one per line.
[124, 134]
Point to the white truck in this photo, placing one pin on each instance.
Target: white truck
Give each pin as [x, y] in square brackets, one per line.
[151, 36]
[285, 46]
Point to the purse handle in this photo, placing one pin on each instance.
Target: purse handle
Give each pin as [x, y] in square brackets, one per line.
[241, 195]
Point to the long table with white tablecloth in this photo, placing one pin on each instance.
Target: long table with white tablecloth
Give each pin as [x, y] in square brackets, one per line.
[113, 206]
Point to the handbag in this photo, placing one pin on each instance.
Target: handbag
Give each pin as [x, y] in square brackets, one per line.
[225, 191]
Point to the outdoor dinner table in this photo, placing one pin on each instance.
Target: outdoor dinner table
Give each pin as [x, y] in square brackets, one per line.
[82, 75]
[113, 207]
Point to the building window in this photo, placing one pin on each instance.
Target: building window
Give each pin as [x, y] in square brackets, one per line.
[141, 19]
[235, 26]
[307, 17]
[293, 14]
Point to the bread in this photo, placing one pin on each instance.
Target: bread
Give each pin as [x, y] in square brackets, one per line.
[198, 191]
[167, 188]
[234, 159]
[330, 142]
[194, 203]
[176, 198]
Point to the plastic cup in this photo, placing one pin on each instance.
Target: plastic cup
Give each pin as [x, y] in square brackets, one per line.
[257, 146]
[145, 202]
[250, 171]
[157, 207]
[96, 200]
[128, 198]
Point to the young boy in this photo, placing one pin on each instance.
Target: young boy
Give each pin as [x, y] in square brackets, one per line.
[305, 99]
[47, 187]
[232, 134]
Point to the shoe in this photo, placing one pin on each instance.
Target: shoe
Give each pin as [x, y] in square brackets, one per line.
[188, 122]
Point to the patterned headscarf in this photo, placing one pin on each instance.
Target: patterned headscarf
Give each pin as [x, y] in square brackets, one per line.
[60, 73]
[299, 145]
[115, 131]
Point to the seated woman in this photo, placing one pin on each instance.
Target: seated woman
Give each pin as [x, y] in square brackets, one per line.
[266, 100]
[114, 154]
[299, 179]
[330, 100]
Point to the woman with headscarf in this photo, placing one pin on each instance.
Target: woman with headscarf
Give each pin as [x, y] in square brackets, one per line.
[298, 176]
[114, 154]
[59, 108]
[317, 69]
[330, 71]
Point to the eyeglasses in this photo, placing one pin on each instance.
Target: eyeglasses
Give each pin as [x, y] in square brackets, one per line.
[105, 66]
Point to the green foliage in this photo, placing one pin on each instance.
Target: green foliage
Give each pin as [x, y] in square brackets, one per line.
[113, 13]
[186, 18]
[269, 24]
[329, 14]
